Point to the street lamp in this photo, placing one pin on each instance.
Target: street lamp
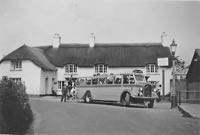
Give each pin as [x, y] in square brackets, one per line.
[173, 90]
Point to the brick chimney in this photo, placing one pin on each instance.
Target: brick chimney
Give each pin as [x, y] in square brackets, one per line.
[92, 40]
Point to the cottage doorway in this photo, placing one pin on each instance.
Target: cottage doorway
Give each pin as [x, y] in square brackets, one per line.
[52, 85]
[46, 86]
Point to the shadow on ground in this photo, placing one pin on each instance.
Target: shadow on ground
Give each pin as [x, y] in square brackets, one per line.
[114, 103]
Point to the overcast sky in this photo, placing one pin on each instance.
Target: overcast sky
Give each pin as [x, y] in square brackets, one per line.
[34, 22]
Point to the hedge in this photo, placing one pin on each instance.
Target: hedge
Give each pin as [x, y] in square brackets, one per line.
[14, 107]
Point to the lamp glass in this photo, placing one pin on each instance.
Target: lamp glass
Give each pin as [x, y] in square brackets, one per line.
[173, 47]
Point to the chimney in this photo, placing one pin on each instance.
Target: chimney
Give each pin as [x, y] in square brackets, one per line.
[92, 40]
[56, 40]
[164, 34]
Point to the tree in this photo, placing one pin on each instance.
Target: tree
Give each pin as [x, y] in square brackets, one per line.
[180, 64]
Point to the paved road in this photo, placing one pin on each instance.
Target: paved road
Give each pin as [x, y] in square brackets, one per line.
[53, 117]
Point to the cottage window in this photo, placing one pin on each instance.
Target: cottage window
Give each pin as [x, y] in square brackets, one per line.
[60, 85]
[151, 68]
[101, 68]
[16, 80]
[16, 65]
[71, 68]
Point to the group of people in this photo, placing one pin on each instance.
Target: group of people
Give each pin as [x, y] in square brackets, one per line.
[68, 91]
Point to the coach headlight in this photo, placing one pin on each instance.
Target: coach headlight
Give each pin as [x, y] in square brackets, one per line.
[140, 91]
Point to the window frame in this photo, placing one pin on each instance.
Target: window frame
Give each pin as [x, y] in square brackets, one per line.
[151, 68]
[16, 65]
[101, 68]
[71, 68]
[60, 85]
[17, 80]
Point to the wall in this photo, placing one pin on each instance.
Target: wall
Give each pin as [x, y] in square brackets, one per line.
[188, 92]
[194, 92]
[30, 74]
[47, 88]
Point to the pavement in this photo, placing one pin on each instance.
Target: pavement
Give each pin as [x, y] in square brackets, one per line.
[191, 110]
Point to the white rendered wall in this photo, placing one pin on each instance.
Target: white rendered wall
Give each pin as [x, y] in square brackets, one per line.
[81, 72]
[117, 70]
[60, 74]
[168, 76]
[30, 74]
[47, 88]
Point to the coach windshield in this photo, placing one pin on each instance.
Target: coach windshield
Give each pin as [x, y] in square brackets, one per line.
[140, 77]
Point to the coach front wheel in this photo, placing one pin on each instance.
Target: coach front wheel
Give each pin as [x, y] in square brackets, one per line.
[151, 103]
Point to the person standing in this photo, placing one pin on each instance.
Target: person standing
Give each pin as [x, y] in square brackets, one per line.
[69, 87]
[158, 93]
[73, 91]
[64, 93]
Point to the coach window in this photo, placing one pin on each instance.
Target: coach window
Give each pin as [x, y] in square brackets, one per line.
[88, 81]
[110, 80]
[125, 79]
[132, 80]
[118, 79]
[102, 80]
[81, 81]
[94, 80]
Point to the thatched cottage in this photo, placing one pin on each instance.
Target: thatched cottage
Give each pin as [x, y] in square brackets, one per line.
[45, 68]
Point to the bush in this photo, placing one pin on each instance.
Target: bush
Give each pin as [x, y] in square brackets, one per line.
[15, 107]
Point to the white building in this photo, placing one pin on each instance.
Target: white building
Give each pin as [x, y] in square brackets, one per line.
[45, 68]
[30, 66]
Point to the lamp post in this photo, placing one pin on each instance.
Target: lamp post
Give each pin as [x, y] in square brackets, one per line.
[173, 90]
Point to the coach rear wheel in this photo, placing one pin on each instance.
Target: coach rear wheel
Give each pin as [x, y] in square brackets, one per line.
[125, 101]
[88, 97]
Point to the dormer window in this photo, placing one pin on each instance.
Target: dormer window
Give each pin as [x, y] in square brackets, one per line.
[71, 68]
[16, 65]
[101, 68]
[151, 68]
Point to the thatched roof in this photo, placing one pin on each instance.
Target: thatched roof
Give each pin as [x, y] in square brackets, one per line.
[112, 54]
[36, 55]
[193, 74]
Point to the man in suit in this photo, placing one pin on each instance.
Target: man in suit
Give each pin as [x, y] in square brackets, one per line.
[64, 93]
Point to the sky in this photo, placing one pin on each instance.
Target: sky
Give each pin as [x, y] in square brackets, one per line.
[34, 22]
